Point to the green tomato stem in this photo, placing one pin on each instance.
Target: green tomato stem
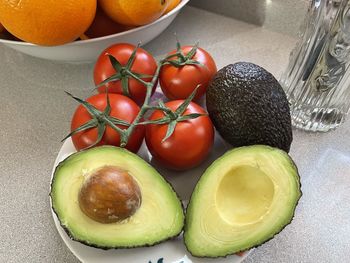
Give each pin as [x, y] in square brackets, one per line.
[144, 107]
[137, 78]
[173, 116]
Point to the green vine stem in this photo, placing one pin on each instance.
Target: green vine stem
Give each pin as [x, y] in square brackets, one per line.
[101, 119]
[144, 108]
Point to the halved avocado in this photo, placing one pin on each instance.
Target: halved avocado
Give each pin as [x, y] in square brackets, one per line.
[159, 216]
[242, 200]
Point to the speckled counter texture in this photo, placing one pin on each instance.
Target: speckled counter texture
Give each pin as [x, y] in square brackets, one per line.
[279, 15]
[35, 114]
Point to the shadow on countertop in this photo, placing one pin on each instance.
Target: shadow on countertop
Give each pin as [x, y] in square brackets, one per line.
[284, 16]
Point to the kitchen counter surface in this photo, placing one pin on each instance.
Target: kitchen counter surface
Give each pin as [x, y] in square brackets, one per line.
[35, 115]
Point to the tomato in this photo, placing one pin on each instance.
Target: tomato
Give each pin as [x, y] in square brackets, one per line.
[144, 64]
[190, 143]
[122, 108]
[179, 83]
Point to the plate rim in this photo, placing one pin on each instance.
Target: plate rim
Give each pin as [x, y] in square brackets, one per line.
[62, 233]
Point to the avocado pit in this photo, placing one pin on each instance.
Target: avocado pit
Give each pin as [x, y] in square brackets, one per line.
[109, 194]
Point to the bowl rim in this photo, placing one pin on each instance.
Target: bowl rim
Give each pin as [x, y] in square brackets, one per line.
[130, 31]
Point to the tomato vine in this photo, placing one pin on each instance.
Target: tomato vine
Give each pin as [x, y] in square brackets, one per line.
[101, 119]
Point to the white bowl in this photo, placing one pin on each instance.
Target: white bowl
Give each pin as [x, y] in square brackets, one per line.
[88, 50]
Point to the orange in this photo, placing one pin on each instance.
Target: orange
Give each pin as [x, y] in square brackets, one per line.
[134, 12]
[47, 22]
[6, 35]
[172, 5]
[103, 26]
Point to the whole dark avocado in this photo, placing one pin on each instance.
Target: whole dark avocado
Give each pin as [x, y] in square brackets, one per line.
[248, 106]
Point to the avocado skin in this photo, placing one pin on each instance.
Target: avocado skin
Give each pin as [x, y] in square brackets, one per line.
[256, 246]
[66, 229]
[248, 248]
[109, 248]
[248, 106]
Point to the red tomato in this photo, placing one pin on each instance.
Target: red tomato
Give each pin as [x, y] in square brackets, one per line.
[144, 64]
[190, 143]
[122, 108]
[179, 83]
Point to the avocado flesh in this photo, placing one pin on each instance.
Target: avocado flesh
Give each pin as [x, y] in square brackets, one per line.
[248, 106]
[159, 217]
[242, 200]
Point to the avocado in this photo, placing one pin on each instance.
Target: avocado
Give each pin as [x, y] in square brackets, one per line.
[248, 106]
[242, 200]
[84, 185]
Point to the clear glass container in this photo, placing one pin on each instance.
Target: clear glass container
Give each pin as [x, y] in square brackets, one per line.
[317, 80]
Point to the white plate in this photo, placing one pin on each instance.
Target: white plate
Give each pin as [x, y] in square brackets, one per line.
[89, 50]
[171, 251]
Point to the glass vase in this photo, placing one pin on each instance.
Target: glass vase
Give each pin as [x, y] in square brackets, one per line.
[317, 80]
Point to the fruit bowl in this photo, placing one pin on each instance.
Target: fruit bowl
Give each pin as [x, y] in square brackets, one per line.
[88, 50]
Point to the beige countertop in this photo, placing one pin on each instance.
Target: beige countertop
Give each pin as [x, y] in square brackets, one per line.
[278, 15]
[35, 115]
